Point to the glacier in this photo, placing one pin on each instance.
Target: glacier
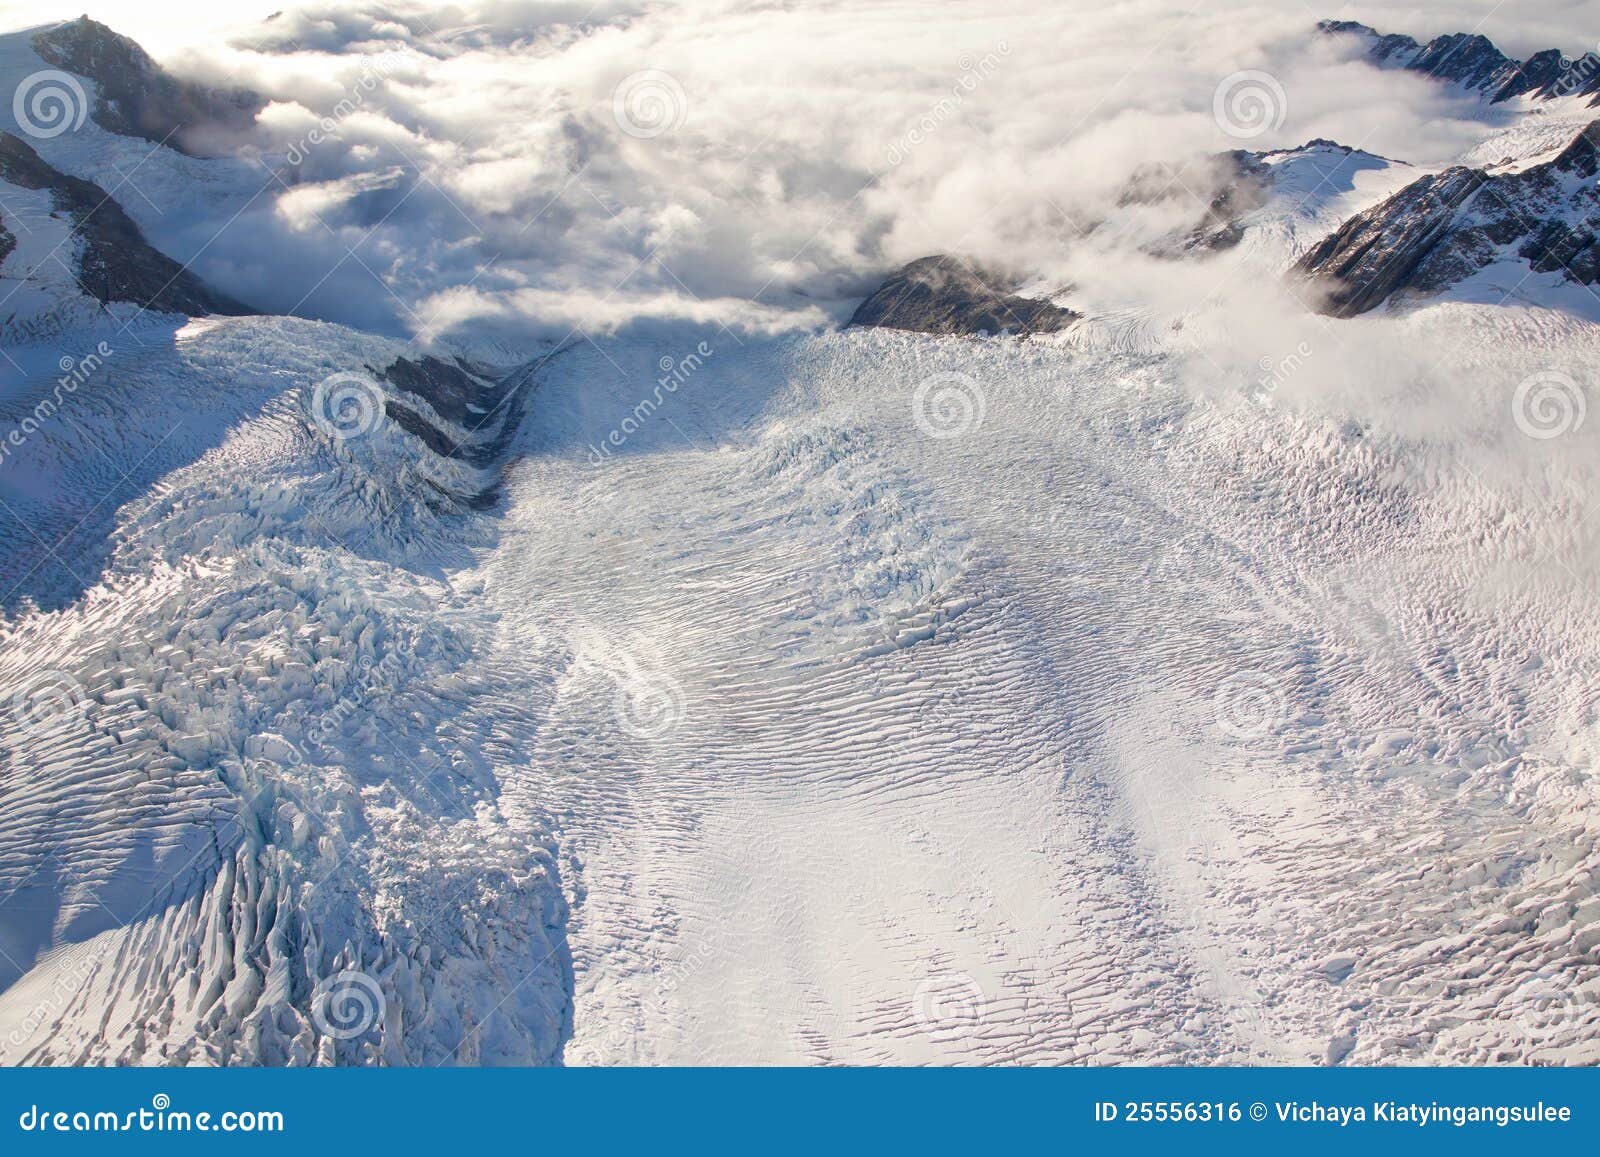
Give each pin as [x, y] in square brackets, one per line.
[793, 734]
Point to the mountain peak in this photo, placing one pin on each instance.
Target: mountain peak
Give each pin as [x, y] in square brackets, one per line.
[1444, 228]
[942, 294]
[139, 98]
[1474, 62]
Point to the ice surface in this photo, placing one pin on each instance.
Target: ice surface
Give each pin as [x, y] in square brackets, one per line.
[789, 733]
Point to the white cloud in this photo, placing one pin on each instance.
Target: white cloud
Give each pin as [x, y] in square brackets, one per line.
[797, 151]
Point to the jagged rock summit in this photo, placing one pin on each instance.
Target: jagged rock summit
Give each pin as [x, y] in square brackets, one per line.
[1474, 62]
[1227, 188]
[139, 98]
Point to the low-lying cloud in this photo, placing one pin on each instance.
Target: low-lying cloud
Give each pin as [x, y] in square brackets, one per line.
[551, 166]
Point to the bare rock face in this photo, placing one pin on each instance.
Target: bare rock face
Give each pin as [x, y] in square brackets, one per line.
[139, 98]
[461, 412]
[484, 412]
[114, 261]
[1442, 229]
[1380, 251]
[947, 295]
[1475, 63]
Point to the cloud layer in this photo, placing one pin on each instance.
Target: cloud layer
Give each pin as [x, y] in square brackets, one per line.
[555, 165]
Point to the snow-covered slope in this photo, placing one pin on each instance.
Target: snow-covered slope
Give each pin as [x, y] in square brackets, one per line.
[1532, 226]
[82, 249]
[178, 202]
[1114, 727]
[221, 786]
[1303, 193]
[1236, 218]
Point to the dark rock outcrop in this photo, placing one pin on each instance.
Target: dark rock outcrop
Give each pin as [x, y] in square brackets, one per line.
[114, 261]
[453, 389]
[139, 98]
[1379, 251]
[487, 412]
[1475, 63]
[1442, 229]
[948, 295]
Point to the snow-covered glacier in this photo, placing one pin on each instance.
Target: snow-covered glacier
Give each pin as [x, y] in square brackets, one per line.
[1121, 726]
[1199, 679]
[233, 746]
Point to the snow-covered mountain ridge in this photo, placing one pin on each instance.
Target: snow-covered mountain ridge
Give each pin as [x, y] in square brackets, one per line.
[1473, 62]
[106, 254]
[1446, 227]
[136, 97]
